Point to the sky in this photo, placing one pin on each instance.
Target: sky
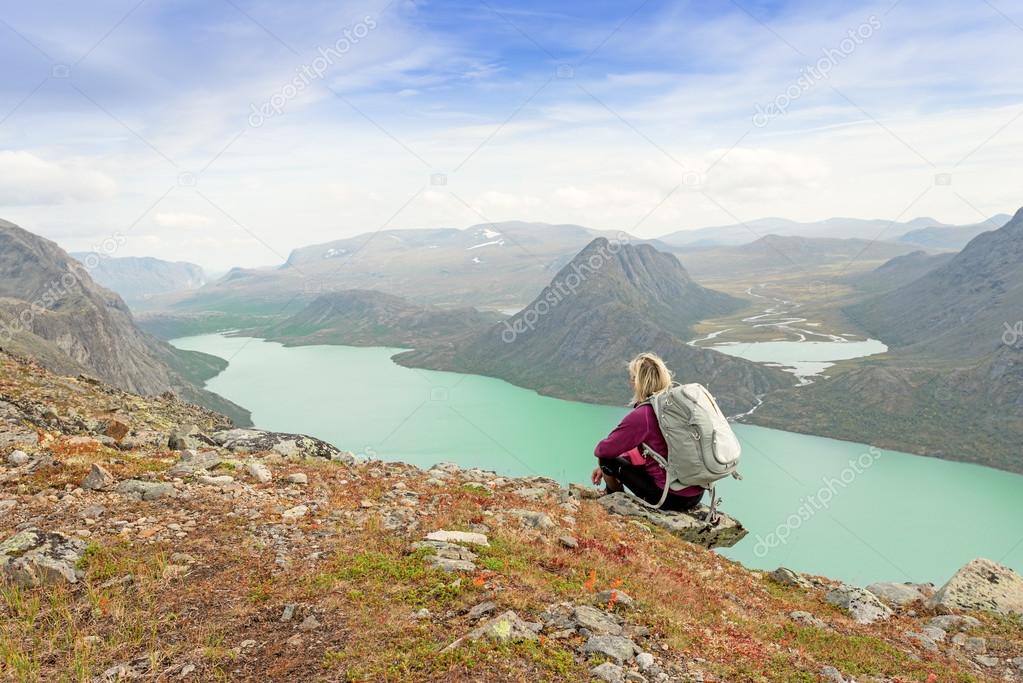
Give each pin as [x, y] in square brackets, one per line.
[229, 132]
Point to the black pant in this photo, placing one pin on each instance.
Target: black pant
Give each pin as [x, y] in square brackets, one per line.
[639, 481]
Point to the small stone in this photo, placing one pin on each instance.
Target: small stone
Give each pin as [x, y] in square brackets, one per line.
[807, 619]
[609, 673]
[146, 490]
[296, 513]
[17, 458]
[531, 519]
[259, 472]
[481, 610]
[508, 627]
[1018, 663]
[219, 480]
[954, 622]
[934, 633]
[466, 537]
[645, 660]
[614, 598]
[116, 429]
[98, 479]
[449, 564]
[297, 478]
[988, 661]
[569, 542]
[422, 614]
[832, 675]
[182, 558]
[310, 623]
[618, 648]
[289, 612]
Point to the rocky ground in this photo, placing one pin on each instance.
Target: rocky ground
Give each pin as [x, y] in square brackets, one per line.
[144, 539]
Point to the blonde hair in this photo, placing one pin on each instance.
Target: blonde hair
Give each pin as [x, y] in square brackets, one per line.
[649, 376]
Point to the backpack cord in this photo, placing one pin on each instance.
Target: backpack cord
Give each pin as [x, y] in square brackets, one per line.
[713, 516]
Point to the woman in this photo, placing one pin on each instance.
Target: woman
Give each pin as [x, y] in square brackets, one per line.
[621, 459]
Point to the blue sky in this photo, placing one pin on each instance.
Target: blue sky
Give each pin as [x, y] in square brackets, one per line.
[138, 118]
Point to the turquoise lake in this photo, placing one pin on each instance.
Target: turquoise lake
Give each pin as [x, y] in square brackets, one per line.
[835, 508]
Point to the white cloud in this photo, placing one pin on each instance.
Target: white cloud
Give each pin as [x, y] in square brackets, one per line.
[181, 220]
[26, 179]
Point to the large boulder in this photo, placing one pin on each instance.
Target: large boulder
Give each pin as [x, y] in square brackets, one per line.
[36, 558]
[287, 445]
[981, 585]
[897, 594]
[691, 526]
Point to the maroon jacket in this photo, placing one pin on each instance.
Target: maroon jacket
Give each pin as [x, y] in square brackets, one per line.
[640, 427]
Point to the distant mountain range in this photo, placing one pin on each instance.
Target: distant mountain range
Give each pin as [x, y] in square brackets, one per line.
[363, 317]
[51, 309]
[494, 265]
[952, 237]
[774, 254]
[837, 228]
[136, 279]
[952, 383]
[608, 303]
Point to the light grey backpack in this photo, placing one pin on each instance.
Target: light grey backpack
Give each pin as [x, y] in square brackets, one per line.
[702, 448]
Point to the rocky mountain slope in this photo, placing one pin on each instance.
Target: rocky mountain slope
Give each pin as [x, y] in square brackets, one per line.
[143, 539]
[361, 317]
[956, 359]
[51, 308]
[136, 279]
[898, 271]
[610, 302]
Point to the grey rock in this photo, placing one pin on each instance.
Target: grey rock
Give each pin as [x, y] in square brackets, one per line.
[976, 645]
[645, 660]
[36, 558]
[609, 673]
[92, 512]
[787, 577]
[531, 519]
[259, 471]
[294, 514]
[597, 621]
[634, 677]
[466, 537]
[146, 490]
[862, 605]
[986, 660]
[218, 480]
[619, 648]
[191, 461]
[832, 675]
[1018, 663]
[936, 634]
[289, 612]
[98, 479]
[953, 622]
[506, 628]
[451, 565]
[981, 585]
[310, 623]
[532, 493]
[300, 478]
[807, 619]
[896, 594]
[481, 610]
[570, 542]
[614, 596]
[17, 458]
[926, 641]
[188, 437]
[689, 526]
[422, 614]
[287, 445]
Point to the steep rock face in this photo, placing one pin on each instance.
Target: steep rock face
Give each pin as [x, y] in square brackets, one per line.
[364, 317]
[137, 279]
[609, 303]
[51, 308]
